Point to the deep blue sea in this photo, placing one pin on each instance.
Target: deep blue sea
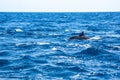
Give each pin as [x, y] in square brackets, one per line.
[36, 46]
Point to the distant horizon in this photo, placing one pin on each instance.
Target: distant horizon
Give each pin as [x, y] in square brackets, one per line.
[59, 6]
[58, 12]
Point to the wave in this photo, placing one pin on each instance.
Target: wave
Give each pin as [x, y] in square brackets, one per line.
[113, 47]
[97, 54]
[4, 53]
[90, 52]
[76, 69]
[35, 46]
[117, 31]
[4, 62]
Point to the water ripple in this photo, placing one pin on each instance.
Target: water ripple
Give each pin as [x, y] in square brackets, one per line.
[36, 46]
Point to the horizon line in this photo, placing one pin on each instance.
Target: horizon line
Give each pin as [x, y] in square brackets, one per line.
[57, 11]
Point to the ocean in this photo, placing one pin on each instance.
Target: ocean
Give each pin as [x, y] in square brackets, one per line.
[36, 46]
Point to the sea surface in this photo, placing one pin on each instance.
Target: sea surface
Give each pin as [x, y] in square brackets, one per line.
[36, 46]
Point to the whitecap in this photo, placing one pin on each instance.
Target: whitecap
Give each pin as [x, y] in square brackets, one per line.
[80, 45]
[77, 31]
[111, 35]
[53, 34]
[18, 30]
[95, 38]
[64, 16]
[87, 46]
[75, 76]
[84, 45]
[66, 30]
[54, 48]
[22, 44]
[117, 47]
[42, 43]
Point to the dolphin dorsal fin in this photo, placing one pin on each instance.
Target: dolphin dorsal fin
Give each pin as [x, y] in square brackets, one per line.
[82, 34]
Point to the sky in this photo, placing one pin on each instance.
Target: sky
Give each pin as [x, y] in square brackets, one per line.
[59, 5]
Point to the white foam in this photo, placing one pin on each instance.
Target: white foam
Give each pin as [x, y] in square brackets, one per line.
[42, 43]
[117, 47]
[22, 44]
[66, 30]
[18, 30]
[87, 46]
[64, 16]
[75, 77]
[54, 48]
[77, 31]
[95, 38]
[111, 35]
[80, 45]
[53, 34]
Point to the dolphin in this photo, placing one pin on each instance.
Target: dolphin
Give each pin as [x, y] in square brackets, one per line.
[80, 37]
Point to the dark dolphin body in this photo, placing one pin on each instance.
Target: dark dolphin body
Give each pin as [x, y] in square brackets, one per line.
[80, 37]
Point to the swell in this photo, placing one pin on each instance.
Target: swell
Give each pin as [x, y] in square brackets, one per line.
[97, 54]
[36, 46]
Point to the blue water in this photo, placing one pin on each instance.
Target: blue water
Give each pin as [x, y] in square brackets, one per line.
[36, 46]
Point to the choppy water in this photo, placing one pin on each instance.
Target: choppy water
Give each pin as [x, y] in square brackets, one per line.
[35, 46]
